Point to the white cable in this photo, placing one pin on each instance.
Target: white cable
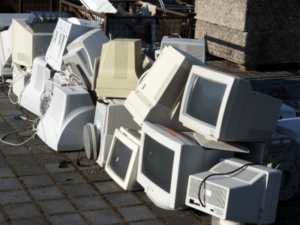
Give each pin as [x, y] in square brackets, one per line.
[5, 142]
[142, 77]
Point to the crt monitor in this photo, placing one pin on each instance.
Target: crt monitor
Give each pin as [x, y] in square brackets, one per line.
[225, 108]
[66, 31]
[28, 43]
[158, 94]
[83, 51]
[122, 160]
[166, 160]
[249, 195]
[120, 68]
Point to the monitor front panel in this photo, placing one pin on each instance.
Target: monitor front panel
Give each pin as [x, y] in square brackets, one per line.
[120, 159]
[157, 163]
[205, 100]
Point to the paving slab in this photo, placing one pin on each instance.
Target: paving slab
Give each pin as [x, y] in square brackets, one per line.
[68, 178]
[9, 197]
[102, 217]
[54, 168]
[97, 175]
[74, 219]
[10, 184]
[90, 203]
[152, 222]
[57, 206]
[143, 195]
[41, 149]
[123, 199]
[136, 213]
[50, 158]
[1, 217]
[29, 170]
[108, 187]
[3, 162]
[15, 150]
[38, 181]
[22, 160]
[35, 221]
[22, 211]
[79, 190]
[6, 172]
[46, 193]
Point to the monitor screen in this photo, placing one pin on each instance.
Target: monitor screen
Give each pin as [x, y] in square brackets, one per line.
[157, 164]
[120, 159]
[205, 100]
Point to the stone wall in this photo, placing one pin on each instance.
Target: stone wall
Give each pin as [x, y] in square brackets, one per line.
[250, 32]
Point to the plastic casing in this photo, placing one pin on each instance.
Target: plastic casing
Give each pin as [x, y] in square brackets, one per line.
[61, 127]
[244, 115]
[189, 158]
[225, 196]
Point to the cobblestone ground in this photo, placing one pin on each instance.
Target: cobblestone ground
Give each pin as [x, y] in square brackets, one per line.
[33, 190]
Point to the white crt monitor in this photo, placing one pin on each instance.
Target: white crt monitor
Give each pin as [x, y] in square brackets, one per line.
[225, 108]
[249, 195]
[158, 93]
[66, 31]
[122, 160]
[166, 160]
[83, 51]
[116, 116]
[28, 42]
[6, 45]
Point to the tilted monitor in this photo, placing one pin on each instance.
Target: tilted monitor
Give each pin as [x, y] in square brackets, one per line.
[122, 160]
[158, 95]
[120, 68]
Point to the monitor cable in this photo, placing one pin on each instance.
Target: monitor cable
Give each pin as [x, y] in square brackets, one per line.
[215, 174]
[33, 127]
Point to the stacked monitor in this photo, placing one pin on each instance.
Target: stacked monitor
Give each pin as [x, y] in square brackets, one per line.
[33, 42]
[166, 160]
[193, 47]
[249, 195]
[157, 97]
[6, 46]
[120, 68]
[21, 76]
[83, 51]
[225, 108]
[66, 31]
[122, 160]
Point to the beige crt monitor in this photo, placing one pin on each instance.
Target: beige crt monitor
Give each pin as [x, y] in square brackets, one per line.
[120, 68]
[157, 97]
[29, 43]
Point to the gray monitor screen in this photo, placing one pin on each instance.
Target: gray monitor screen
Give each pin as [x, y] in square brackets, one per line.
[205, 100]
[120, 159]
[157, 164]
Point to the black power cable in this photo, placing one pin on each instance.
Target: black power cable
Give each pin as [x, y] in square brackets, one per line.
[215, 174]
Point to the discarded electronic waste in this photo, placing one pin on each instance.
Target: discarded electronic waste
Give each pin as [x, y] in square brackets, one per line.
[166, 126]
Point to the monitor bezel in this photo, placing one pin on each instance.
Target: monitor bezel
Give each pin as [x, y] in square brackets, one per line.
[125, 184]
[198, 125]
[175, 145]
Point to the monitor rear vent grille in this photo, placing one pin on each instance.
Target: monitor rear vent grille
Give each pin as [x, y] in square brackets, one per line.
[243, 174]
[175, 82]
[121, 67]
[217, 197]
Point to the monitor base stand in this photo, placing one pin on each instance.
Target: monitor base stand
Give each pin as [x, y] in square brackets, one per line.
[162, 205]
[219, 145]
